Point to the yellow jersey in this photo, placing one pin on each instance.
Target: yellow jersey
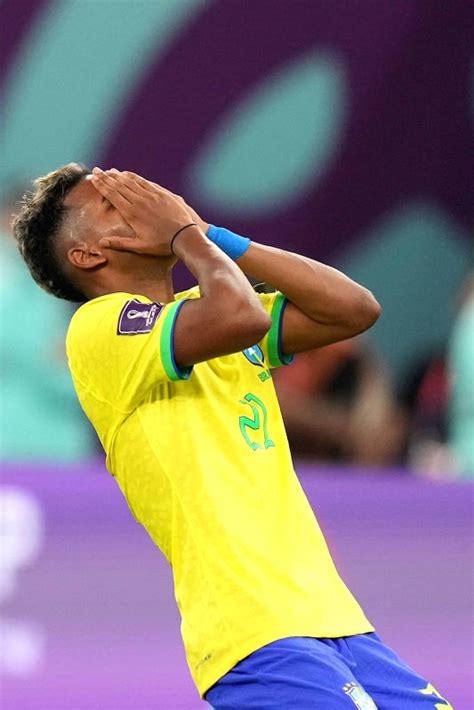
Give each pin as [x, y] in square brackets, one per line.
[202, 458]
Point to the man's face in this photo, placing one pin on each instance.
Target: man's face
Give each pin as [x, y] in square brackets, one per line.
[91, 218]
[94, 217]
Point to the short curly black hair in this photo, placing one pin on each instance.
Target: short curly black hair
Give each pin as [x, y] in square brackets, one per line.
[37, 225]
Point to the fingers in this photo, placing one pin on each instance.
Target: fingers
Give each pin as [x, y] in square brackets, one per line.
[125, 189]
[138, 183]
[135, 183]
[118, 195]
[109, 188]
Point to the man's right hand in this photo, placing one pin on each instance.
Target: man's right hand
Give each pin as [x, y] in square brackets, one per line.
[228, 316]
[154, 214]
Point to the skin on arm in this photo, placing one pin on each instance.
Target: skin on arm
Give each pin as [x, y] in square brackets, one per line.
[325, 305]
[229, 316]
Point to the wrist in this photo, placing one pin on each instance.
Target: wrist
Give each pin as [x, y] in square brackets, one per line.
[230, 243]
[185, 238]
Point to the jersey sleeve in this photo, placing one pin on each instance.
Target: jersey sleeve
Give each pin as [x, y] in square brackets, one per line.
[271, 345]
[120, 346]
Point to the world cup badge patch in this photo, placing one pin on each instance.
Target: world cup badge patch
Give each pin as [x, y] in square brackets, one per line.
[137, 317]
[359, 697]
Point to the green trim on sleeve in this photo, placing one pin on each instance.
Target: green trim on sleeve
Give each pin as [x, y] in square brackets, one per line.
[172, 370]
[274, 344]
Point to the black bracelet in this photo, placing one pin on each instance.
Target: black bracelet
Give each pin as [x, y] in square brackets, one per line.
[192, 224]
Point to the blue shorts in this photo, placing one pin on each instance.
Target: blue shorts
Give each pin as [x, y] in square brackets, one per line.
[303, 673]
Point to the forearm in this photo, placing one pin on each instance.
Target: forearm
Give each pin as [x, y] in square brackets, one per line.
[321, 292]
[221, 281]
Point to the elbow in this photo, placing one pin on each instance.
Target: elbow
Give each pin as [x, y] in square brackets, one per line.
[254, 325]
[249, 324]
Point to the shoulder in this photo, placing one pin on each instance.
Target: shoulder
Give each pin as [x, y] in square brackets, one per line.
[88, 315]
[98, 319]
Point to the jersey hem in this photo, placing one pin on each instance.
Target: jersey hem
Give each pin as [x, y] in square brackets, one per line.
[257, 642]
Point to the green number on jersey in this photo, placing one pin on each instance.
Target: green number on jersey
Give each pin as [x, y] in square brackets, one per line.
[258, 422]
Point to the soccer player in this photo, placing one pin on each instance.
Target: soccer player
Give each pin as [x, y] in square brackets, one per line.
[179, 390]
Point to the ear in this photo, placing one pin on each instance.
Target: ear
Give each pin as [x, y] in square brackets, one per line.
[84, 256]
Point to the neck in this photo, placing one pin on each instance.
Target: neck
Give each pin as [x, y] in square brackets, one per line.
[155, 284]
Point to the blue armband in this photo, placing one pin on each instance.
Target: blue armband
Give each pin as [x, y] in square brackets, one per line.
[230, 243]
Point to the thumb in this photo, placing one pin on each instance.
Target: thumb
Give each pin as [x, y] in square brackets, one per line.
[119, 243]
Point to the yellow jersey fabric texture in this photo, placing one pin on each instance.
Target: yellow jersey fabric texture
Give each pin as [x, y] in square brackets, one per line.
[202, 458]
